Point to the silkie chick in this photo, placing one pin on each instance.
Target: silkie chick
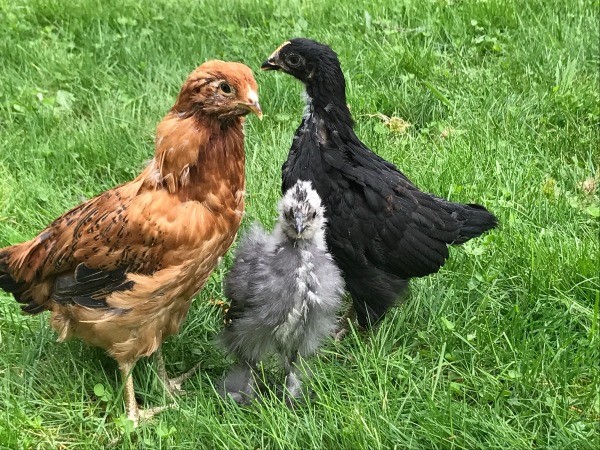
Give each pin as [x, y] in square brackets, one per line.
[285, 292]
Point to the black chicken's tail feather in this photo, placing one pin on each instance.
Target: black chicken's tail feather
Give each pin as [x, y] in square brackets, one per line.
[476, 220]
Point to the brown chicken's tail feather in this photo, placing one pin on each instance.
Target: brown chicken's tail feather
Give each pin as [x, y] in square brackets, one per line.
[7, 282]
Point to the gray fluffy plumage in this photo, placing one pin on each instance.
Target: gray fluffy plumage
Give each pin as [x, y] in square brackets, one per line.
[285, 292]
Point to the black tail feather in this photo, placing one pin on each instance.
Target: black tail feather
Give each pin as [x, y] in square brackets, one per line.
[17, 288]
[33, 308]
[7, 282]
[477, 220]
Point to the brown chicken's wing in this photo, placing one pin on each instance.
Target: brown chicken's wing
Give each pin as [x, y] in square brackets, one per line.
[86, 254]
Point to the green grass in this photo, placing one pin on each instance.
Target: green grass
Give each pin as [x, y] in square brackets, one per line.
[498, 350]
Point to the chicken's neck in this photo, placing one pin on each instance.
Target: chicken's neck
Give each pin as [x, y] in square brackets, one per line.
[194, 158]
[326, 97]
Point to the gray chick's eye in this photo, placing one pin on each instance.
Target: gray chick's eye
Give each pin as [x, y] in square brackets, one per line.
[293, 60]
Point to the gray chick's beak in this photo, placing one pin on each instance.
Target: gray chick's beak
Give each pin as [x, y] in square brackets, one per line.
[299, 224]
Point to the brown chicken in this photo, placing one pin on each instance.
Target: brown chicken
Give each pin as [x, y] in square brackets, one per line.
[119, 271]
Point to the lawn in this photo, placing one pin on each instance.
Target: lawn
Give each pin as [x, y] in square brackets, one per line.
[492, 101]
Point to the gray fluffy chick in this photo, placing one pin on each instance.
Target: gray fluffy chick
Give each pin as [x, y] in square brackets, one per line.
[285, 292]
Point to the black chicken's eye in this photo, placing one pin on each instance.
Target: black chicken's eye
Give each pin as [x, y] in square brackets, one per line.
[225, 88]
[293, 60]
[314, 214]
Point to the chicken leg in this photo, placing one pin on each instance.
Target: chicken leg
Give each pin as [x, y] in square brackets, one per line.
[344, 324]
[173, 385]
[293, 383]
[239, 383]
[134, 412]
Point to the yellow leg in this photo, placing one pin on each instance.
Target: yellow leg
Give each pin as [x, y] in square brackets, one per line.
[344, 324]
[172, 385]
[134, 413]
[131, 406]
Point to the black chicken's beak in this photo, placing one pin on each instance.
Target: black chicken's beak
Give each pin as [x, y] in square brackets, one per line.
[273, 62]
[269, 64]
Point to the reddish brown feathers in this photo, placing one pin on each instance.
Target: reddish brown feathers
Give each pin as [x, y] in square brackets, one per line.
[120, 269]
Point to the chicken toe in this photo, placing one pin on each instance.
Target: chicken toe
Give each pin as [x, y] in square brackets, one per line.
[134, 412]
[173, 385]
[239, 384]
[344, 324]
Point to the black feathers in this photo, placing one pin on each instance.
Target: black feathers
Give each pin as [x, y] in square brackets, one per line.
[382, 229]
[90, 287]
[7, 282]
[86, 287]
[18, 289]
[477, 220]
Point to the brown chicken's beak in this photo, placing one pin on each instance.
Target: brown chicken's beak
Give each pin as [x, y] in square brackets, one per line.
[253, 107]
[269, 64]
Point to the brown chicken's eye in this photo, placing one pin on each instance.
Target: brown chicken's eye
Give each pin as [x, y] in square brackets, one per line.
[225, 88]
[293, 60]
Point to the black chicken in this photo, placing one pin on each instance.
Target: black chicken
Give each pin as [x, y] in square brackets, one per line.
[382, 229]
